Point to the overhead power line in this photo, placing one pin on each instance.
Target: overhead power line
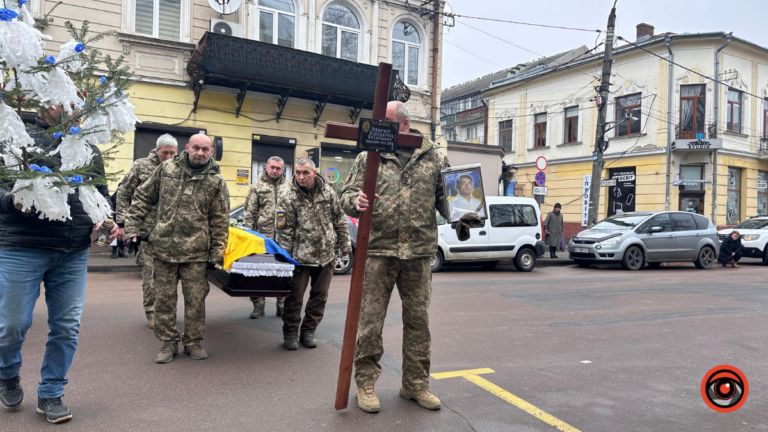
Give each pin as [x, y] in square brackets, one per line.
[470, 52]
[523, 23]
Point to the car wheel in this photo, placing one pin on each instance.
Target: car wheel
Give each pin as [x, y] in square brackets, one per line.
[706, 258]
[584, 264]
[436, 262]
[490, 265]
[343, 263]
[633, 259]
[765, 257]
[525, 260]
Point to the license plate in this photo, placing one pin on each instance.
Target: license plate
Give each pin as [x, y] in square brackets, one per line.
[581, 250]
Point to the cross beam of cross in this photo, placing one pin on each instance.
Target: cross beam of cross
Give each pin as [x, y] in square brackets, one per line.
[349, 132]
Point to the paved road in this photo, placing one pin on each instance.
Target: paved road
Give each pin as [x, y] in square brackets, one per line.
[649, 336]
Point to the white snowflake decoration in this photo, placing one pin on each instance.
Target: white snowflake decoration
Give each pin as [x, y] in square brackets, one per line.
[20, 43]
[75, 152]
[70, 57]
[60, 90]
[12, 129]
[94, 203]
[49, 200]
[120, 111]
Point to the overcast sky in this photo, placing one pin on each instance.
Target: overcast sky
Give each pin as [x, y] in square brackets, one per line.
[746, 18]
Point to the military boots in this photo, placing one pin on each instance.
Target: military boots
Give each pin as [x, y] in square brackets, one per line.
[291, 341]
[166, 354]
[280, 303]
[367, 400]
[195, 351]
[308, 339]
[422, 397]
[258, 308]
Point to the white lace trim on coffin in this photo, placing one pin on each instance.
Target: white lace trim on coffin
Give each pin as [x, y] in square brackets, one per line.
[262, 269]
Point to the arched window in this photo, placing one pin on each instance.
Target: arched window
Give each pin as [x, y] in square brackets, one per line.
[341, 33]
[277, 22]
[406, 44]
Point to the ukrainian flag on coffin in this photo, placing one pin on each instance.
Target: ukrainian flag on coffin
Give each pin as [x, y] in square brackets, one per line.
[244, 242]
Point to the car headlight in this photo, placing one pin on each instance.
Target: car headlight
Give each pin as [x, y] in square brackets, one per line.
[751, 237]
[611, 241]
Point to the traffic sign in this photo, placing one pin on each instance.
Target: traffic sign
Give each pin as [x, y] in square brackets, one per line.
[541, 163]
[541, 178]
[539, 190]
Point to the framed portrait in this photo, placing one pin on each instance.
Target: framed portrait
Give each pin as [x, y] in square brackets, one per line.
[464, 192]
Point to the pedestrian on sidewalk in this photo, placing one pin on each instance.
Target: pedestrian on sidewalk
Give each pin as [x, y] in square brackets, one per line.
[189, 236]
[260, 215]
[166, 147]
[35, 250]
[553, 230]
[731, 250]
[310, 222]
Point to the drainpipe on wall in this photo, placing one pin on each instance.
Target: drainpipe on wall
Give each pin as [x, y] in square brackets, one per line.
[669, 123]
[435, 53]
[485, 127]
[717, 126]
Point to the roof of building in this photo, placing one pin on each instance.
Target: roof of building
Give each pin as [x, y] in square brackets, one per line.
[477, 85]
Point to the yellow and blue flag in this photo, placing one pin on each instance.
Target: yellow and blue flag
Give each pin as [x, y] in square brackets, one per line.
[243, 242]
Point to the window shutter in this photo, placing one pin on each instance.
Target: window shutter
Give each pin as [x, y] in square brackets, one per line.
[169, 24]
[144, 16]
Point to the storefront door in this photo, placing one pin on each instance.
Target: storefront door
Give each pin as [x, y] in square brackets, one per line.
[691, 203]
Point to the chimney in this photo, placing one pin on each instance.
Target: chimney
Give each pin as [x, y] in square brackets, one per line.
[644, 32]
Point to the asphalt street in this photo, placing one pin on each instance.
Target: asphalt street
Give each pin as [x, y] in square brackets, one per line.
[596, 349]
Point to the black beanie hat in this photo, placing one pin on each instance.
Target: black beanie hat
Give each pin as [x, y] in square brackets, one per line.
[557, 205]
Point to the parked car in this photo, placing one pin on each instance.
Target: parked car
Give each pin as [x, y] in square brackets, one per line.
[343, 264]
[513, 232]
[754, 237]
[636, 238]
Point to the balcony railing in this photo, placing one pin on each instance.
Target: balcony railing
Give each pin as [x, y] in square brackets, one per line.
[247, 64]
[709, 132]
[763, 149]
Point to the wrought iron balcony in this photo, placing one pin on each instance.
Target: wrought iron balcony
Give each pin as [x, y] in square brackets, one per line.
[763, 149]
[246, 64]
[709, 132]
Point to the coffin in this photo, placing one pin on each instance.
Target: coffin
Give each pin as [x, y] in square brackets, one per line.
[261, 280]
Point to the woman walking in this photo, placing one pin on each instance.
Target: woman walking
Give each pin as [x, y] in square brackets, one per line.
[731, 250]
[553, 230]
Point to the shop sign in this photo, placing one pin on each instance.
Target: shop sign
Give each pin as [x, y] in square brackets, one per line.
[606, 183]
[621, 196]
[242, 176]
[697, 144]
[585, 199]
[689, 182]
[762, 184]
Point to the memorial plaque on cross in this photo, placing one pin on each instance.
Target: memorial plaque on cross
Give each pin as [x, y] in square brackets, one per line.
[350, 132]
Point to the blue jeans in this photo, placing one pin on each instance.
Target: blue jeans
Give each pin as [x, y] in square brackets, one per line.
[64, 274]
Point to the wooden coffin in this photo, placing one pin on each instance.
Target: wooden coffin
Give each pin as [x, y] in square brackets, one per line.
[237, 285]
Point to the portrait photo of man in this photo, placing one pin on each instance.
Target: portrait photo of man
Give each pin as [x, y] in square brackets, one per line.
[468, 196]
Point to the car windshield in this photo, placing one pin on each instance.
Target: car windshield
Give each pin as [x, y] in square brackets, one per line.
[622, 221]
[752, 224]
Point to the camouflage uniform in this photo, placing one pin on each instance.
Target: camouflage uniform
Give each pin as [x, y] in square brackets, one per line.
[192, 228]
[306, 222]
[140, 171]
[259, 214]
[403, 238]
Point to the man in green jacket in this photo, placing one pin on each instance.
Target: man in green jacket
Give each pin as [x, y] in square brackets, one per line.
[403, 239]
[259, 215]
[310, 223]
[140, 171]
[190, 235]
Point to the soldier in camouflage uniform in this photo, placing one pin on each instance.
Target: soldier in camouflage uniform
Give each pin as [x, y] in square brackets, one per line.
[140, 171]
[308, 214]
[403, 238]
[190, 235]
[259, 215]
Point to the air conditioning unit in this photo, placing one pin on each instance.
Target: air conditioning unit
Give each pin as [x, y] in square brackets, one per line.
[228, 28]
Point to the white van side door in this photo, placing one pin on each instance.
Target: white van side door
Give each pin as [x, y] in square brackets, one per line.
[474, 249]
[511, 226]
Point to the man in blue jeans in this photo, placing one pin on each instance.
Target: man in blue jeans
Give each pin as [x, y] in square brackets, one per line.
[35, 250]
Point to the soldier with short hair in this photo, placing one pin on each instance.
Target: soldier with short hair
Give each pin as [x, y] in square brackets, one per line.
[403, 239]
[259, 214]
[308, 215]
[190, 236]
[140, 171]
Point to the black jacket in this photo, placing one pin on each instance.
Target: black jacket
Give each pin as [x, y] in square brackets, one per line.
[728, 247]
[28, 230]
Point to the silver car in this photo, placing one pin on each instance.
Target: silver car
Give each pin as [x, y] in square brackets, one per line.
[633, 239]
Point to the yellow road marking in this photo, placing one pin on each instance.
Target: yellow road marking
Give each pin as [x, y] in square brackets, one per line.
[473, 376]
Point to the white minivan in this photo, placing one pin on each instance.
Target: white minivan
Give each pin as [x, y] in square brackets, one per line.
[513, 232]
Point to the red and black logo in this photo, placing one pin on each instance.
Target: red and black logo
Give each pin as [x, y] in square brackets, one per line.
[724, 389]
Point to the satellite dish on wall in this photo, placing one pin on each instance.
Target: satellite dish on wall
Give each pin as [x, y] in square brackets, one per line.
[225, 7]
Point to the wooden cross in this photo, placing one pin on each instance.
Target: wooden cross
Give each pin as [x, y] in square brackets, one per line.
[349, 132]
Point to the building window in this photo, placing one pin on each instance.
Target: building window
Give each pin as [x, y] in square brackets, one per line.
[406, 44]
[277, 22]
[471, 132]
[341, 33]
[628, 115]
[540, 131]
[691, 172]
[733, 112]
[733, 207]
[692, 110]
[505, 135]
[762, 193]
[572, 124]
[159, 18]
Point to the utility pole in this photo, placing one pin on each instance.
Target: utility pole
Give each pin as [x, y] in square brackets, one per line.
[597, 163]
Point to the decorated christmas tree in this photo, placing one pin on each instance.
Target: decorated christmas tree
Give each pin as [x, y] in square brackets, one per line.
[82, 109]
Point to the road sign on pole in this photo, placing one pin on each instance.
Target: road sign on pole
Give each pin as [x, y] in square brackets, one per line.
[541, 163]
[541, 178]
[539, 190]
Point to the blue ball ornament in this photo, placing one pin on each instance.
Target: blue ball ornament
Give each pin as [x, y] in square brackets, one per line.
[79, 48]
[103, 80]
[57, 135]
[34, 167]
[7, 14]
[45, 170]
[50, 59]
[75, 130]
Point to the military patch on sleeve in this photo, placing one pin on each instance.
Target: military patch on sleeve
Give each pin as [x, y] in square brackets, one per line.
[281, 219]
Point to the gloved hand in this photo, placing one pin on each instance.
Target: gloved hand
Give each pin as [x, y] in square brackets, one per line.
[467, 221]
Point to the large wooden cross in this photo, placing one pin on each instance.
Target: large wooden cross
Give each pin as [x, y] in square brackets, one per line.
[349, 132]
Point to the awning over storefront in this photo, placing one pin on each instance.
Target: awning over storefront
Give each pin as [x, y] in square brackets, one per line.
[247, 64]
